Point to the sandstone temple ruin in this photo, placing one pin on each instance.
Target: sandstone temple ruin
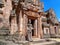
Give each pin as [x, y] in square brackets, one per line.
[17, 15]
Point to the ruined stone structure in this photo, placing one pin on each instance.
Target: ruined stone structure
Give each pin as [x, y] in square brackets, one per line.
[50, 24]
[16, 15]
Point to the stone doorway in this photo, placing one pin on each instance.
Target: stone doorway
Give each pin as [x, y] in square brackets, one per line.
[33, 22]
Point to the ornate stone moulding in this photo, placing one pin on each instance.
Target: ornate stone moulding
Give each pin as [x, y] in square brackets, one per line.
[44, 19]
[15, 2]
[56, 21]
[45, 24]
[31, 7]
[32, 14]
[13, 13]
[52, 20]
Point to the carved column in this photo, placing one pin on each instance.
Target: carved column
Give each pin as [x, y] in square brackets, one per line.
[6, 11]
[21, 27]
[40, 32]
[25, 25]
[13, 27]
[38, 27]
[25, 21]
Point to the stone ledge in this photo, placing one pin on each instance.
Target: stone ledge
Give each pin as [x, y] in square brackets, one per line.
[46, 43]
[12, 43]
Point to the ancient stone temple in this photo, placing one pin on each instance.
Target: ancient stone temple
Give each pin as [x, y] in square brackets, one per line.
[19, 16]
[25, 19]
[50, 24]
[25, 13]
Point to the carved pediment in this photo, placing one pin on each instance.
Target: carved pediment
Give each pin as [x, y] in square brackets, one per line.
[15, 2]
[45, 24]
[32, 14]
[32, 7]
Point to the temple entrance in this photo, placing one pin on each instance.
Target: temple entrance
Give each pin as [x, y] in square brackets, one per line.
[33, 29]
[32, 22]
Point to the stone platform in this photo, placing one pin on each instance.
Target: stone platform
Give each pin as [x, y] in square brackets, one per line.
[34, 42]
[44, 42]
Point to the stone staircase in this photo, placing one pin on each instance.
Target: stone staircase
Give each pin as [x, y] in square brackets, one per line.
[34, 42]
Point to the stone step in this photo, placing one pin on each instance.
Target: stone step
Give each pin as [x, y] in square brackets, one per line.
[38, 40]
[46, 43]
[4, 32]
[4, 42]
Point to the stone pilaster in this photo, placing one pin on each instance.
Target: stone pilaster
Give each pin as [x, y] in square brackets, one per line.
[6, 11]
[13, 27]
[20, 22]
[25, 21]
[40, 32]
[52, 29]
[21, 27]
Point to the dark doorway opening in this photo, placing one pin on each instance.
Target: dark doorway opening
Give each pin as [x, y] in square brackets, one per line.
[55, 30]
[32, 22]
[32, 32]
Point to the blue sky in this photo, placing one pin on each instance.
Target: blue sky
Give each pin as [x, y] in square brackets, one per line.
[55, 4]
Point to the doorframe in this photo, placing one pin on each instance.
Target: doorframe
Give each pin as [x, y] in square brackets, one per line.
[35, 27]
